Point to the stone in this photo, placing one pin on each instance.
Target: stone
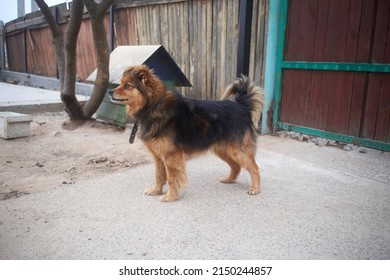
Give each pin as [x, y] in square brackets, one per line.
[14, 125]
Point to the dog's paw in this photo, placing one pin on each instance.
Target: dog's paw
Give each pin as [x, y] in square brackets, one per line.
[153, 191]
[167, 198]
[227, 180]
[253, 191]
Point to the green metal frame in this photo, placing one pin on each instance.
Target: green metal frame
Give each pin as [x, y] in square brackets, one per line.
[336, 136]
[321, 66]
[279, 59]
[337, 66]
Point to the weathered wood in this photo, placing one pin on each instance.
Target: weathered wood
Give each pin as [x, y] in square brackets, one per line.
[201, 36]
[356, 104]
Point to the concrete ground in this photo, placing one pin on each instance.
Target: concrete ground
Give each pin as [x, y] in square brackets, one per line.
[21, 99]
[315, 203]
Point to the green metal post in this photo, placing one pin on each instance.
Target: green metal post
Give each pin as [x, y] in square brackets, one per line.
[279, 59]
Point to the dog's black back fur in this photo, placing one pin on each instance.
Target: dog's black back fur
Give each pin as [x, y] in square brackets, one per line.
[201, 124]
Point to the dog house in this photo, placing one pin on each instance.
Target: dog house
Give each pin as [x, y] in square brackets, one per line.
[155, 57]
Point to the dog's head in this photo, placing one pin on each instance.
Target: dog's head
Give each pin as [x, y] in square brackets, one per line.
[137, 88]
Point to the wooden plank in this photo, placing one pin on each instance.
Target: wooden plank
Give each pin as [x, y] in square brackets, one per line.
[202, 66]
[214, 48]
[319, 98]
[222, 82]
[307, 18]
[321, 27]
[339, 102]
[296, 96]
[120, 4]
[185, 45]
[357, 103]
[363, 51]
[381, 31]
[371, 107]
[376, 115]
[319, 95]
[15, 52]
[301, 30]
[383, 132]
[193, 12]
[255, 26]
[291, 30]
[365, 31]
[288, 87]
[133, 35]
[191, 50]
[383, 112]
[85, 48]
[41, 55]
[337, 49]
[301, 101]
[386, 59]
[337, 24]
[218, 84]
[37, 20]
[209, 47]
[321, 84]
[233, 39]
[352, 36]
[300, 46]
[259, 40]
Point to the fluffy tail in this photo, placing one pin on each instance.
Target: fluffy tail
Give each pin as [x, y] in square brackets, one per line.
[247, 94]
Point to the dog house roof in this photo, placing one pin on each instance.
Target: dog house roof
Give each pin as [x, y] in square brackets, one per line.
[154, 56]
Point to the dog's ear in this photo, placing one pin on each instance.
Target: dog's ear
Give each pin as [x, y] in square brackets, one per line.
[145, 74]
[143, 77]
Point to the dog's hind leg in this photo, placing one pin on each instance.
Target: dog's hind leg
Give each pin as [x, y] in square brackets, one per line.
[253, 170]
[176, 175]
[246, 159]
[161, 178]
[235, 168]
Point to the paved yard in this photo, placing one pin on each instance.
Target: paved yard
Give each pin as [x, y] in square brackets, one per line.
[315, 203]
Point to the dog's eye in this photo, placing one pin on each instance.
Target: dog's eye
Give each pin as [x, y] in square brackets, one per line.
[127, 86]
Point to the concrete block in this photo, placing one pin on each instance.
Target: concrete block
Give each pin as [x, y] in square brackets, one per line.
[14, 125]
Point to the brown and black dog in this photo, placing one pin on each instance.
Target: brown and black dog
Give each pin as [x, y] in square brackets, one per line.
[174, 127]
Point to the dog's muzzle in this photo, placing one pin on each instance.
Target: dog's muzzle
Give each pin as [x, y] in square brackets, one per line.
[112, 97]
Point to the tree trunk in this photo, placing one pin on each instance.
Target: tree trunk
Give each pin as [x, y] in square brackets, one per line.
[68, 96]
[96, 13]
[66, 60]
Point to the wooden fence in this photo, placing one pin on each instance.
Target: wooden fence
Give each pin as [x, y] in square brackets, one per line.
[335, 76]
[200, 35]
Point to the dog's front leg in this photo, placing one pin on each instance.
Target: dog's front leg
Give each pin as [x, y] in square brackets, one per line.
[161, 178]
[176, 175]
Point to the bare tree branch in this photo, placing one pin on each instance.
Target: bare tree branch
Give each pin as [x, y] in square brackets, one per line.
[71, 46]
[58, 39]
[103, 54]
[103, 7]
[46, 11]
[68, 95]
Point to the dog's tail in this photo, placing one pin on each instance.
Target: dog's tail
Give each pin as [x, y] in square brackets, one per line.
[247, 94]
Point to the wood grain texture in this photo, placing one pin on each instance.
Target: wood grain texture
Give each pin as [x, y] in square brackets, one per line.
[201, 36]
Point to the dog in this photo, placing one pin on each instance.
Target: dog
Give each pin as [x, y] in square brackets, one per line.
[175, 128]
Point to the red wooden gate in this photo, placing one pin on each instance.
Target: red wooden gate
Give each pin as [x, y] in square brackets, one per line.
[335, 68]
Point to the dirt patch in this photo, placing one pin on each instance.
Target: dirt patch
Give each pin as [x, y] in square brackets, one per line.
[59, 153]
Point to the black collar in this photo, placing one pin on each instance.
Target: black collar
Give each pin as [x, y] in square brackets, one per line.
[134, 132]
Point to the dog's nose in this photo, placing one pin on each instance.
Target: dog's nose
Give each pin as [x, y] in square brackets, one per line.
[111, 92]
